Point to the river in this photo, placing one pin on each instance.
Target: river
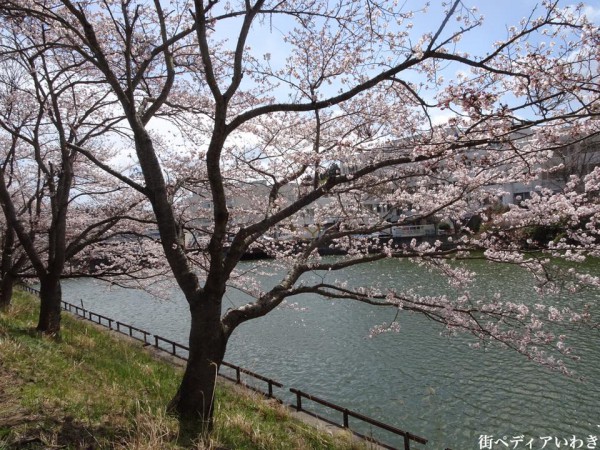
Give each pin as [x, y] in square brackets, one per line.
[418, 379]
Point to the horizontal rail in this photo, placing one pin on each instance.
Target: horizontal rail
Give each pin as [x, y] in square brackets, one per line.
[174, 346]
[100, 318]
[238, 377]
[348, 413]
[130, 331]
[29, 289]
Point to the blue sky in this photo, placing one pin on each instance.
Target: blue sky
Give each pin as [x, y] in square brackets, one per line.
[498, 15]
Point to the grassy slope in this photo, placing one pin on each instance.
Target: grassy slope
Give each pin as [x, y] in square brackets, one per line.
[90, 390]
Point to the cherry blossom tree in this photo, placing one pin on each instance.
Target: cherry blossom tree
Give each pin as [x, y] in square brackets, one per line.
[54, 201]
[13, 258]
[315, 141]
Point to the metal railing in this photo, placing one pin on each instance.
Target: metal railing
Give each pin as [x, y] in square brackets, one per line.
[132, 331]
[238, 379]
[123, 328]
[29, 289]
[145, 337]
[173, 346]
[346, 414]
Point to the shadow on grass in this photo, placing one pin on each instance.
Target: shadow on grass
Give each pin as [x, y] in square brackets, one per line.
[29, 432]
[30, 332]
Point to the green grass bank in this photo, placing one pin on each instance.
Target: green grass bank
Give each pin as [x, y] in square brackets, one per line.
[91, 390]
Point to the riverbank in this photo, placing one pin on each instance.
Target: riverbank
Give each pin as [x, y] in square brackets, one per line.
[91, 390]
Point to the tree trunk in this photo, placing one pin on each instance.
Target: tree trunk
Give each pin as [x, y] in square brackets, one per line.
[8, 280]
[194, 401]
[6, 290]
[50, 298]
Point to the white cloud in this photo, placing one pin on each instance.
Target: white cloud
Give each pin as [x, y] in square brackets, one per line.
[592, 13]
[441, 118]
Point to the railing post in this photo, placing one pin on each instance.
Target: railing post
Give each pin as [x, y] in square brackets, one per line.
[110, 321]
[155, 341]
[345, 412]
[238, 375]
[270, 389]
[298, 401]
[406, 442]
[174, 351]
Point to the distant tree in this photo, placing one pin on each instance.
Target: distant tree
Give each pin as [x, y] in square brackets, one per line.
[354, 88]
